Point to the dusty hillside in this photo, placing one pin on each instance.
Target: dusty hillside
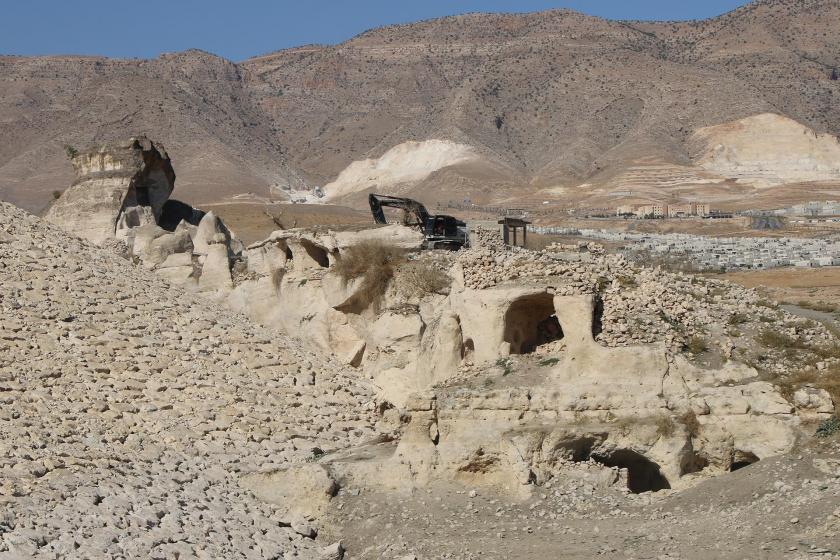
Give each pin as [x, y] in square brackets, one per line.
[554, 104]
[195, 101]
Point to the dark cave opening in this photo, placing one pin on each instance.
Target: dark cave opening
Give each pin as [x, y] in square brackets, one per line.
[643, 475]
[530, 322]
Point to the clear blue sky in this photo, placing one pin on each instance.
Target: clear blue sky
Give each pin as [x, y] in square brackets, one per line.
[238, 29]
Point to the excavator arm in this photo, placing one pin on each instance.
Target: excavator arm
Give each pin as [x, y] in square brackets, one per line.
[411, 209]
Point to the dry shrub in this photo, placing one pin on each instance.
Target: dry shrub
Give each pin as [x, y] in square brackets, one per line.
[422, 278]
[779, 341]
[737, 319]
[626, 281]
[691, 423]
[664, 425]
[790, 384]
[374, 263]
[828, 428]
[829, 351]
[697, 345]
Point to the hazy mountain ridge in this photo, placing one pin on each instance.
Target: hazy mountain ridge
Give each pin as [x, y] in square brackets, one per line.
[551, 99]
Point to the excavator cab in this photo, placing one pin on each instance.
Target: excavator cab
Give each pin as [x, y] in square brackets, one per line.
[441, 232]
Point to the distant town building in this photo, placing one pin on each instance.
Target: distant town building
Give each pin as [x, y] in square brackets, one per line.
[651, 211]
[682, 210]
[690, 209]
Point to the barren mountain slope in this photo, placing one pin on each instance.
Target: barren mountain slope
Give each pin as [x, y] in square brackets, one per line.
[130, 410]
[549, 100]
[197, 102]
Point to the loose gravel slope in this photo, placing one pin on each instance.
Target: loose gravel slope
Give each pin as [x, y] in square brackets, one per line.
[129, 410]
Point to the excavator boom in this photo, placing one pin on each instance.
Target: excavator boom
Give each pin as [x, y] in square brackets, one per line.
[408, 206]
[440, 231]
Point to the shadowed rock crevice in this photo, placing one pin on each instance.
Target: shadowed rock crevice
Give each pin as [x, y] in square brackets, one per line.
[175, 211]
[742, 459]
[643, 475]
[317, 254]
[531, 322]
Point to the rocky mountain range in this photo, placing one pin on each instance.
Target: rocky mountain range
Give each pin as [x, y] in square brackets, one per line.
[492, 107]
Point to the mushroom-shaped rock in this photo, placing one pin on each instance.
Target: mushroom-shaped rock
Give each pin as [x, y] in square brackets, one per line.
[117, 187]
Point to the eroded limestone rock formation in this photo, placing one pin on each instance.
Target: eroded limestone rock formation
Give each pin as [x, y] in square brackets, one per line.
[613, 382]
[117, 187]
[650, 421]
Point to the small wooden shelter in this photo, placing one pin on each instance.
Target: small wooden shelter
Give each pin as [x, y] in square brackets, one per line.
[510, 226]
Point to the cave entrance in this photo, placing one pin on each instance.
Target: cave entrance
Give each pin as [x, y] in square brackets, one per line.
[643, 475]
[317, 254]
[175, 211]
[530, 322]
[742, 459]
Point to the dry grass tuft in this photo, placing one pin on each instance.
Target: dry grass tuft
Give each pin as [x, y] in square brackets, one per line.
[691, 423]
[421, 278]
[374, 263]
[737, 319]
[697, 345]
[779, 341]
[665, 425]
[829, 351]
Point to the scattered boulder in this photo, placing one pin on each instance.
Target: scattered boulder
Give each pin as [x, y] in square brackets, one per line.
[811, 402]
[300, 492]
[167, 245]
[334, 551]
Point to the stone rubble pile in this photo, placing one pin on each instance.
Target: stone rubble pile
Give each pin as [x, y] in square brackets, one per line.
[641, 304]
[129, 409]
[486, 238]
